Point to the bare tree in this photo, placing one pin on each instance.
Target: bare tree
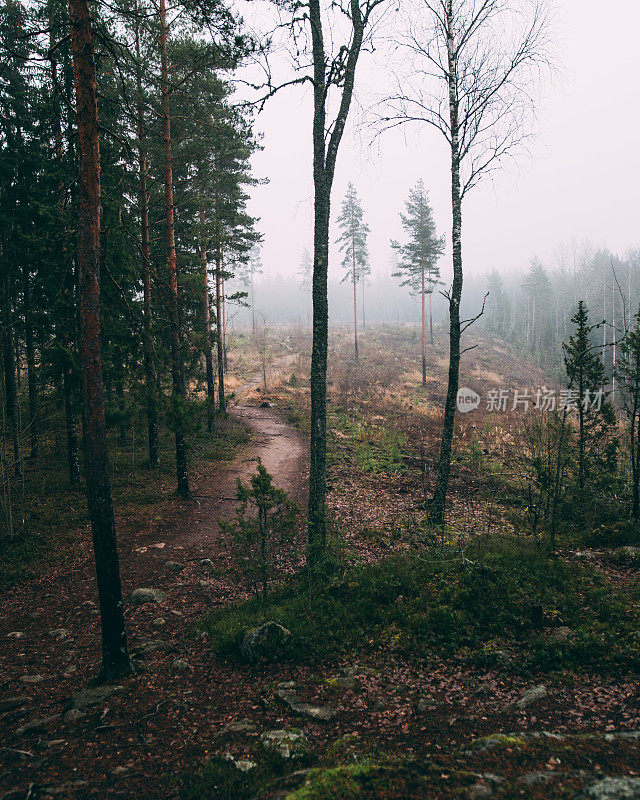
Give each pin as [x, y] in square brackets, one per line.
[337, 32]
[474, 65]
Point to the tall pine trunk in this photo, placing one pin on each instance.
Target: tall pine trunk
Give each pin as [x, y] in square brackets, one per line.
[177, 370]
[355, 310]
[208, 355]
[115, 658]
[71, 423]
[222, 402]
[430, 318]
[151, 378]
[32, 385]
[10, 385]
[422, 321]
[437, 505]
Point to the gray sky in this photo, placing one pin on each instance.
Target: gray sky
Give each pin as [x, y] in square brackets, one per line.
[579, 181]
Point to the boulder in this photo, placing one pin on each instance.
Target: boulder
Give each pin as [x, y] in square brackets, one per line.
[289, 696]
[173, 566]
[615, 789]
[139, 597]
[37, 726]
[528, 698]
[286, 745]
[267, 642]
[179, 665]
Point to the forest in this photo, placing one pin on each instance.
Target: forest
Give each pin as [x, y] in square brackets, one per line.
[319, 427]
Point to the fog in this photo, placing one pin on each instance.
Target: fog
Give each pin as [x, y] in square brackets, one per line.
[577, 181]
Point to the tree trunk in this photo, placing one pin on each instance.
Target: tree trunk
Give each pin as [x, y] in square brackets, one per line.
[224, 317]
[9, 364]
[431, 317]
[151, 378]
[323, 172]
[31, 364]
[437, 505]
[177, 371]
[222, 403]
[422, 321]
[115, 658]
[355, 312]
[208, 355]
[71, 424]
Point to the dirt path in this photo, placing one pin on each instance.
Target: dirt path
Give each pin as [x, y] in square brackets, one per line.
[170, 712]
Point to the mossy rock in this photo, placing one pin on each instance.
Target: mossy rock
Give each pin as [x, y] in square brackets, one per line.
[495, 740]
[363, 782]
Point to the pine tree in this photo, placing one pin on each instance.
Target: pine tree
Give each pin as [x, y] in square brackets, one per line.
[586, 379]
[418, 258]
[353, 244]
[628, 374]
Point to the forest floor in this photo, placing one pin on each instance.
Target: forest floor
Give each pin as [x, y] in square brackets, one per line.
[375, 719]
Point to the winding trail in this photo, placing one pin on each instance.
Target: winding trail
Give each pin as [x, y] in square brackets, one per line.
[56, 652]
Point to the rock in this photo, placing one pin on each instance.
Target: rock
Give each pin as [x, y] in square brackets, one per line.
[37, 726]
[486, 743]
[288, 745]
[159, 622]
[60, 633]
[11, 703]
[70, 670]
[140, 596]
[32, 678]
[244, 765]
[146, 648]
[242, 726]
[341, 682]
[560, 635]
[15, 635]
[74, 714]
[119, 771]
[630, 551]
[204, 583]
[288, 695]
[265, 405]
[479, 790]
[615, 789]
[206, 562]
[93, 696]
[528, 698]
[267, 642]
[179, 665]
[536, 778]
[173, 566]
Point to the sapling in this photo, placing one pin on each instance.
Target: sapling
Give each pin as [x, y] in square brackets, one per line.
[265, 523]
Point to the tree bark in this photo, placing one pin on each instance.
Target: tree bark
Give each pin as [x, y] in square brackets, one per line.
[151, 378]
[323, 173]
[115, 657]
[355, 312]
[9, 364]
[208, 355]
[437, 505]
[71, 423]
[222, 403]
[32, 385]
[177, 370]
[422, 320]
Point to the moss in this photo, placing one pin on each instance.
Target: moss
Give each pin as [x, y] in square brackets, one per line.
[362, 782]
